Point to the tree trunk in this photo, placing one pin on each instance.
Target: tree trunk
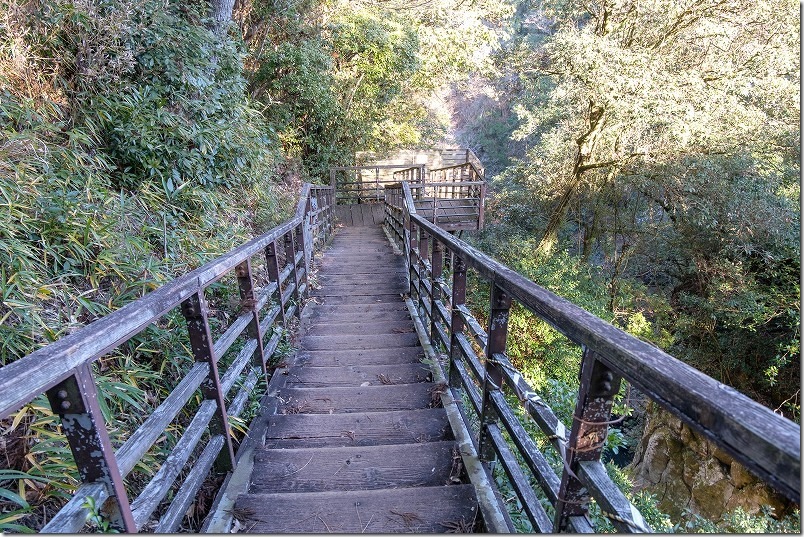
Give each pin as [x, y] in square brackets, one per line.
[222, 15]
[586, 144]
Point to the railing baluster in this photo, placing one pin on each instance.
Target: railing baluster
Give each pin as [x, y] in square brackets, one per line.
[307, 242]
[194, 310]
[590, 426]
[75, 400]
[272, 264]
[456, 325]
[245, 283]
[290, 257]
[424, 256]
[436, 277]
[412, 246]
[497, 336]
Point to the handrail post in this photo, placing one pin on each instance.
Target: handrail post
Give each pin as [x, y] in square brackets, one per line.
[194, 310]
[412, 246]
[290, 257]
[332, 181]
[497, 336]
[590, 422]
[481, 206]
[245, 283]
[307, 245]
[424, 256]
[75, 400]
[456, 324]
[436, 277]
[272, 264]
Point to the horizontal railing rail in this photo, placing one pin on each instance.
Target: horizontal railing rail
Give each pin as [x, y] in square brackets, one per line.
[363, 184]
[63, 370]
[767, 444]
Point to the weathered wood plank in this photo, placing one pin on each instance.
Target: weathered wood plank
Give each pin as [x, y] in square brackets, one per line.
[365, 290]
[410, 510]
[370, 326]
[379, 341]
[335, 358]
[390, 316]
[357, 429]
[355, 468]
[308, 376]
[361, 299]
[360, 399]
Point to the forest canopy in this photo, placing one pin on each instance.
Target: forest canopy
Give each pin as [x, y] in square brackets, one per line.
[643, 160]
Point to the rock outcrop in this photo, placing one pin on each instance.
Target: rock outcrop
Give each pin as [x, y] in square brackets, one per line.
[687, 472]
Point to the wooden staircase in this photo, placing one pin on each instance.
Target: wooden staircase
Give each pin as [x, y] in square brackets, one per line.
[357, 442]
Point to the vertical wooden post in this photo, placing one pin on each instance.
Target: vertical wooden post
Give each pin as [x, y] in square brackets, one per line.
[436, 277]
[412, 246]
[377, 182]
[245, 283]
[424, 255]
[456, 324]
[304, 230]
[290, 257]
[481, 209]
[333, 185]
[75, 400]
[590, 427]
[194, 310]
[497, 336]
[272, 264]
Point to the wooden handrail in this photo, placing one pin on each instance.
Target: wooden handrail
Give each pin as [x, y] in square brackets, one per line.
[63, 370]
[454, 166]
[767, 444]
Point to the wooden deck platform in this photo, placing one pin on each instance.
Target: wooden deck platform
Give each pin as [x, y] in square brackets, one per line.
[357, 442]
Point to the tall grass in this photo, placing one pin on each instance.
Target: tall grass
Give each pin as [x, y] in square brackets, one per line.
[129, 154]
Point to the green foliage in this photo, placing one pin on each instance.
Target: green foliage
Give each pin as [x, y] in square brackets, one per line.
[659, 149]
[95, 518]
[738, 521]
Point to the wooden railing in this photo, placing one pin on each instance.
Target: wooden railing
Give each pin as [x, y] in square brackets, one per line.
[458, 191]
[364, 184]
[63, 370]
[481, 374]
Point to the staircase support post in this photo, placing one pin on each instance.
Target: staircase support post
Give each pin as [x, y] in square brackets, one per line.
[245, 283]
[497, 336]
[424, 256]
[75, 400]
[290, 257]
[194, 310]
[411, 245]
[272, 264]
[590, 426]
[456, 324]
[436, 277]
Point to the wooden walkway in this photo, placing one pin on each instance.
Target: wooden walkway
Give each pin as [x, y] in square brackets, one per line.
[357, 442]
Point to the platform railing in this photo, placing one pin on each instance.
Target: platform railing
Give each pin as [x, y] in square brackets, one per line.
[481, 374]
[64, 371]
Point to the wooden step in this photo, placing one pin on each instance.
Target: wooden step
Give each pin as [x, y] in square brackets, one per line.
[345, 342]
[358, 399]
[327, 300]
[371, 326]
[356, 313]
[335, 358]
[411, 510]
[308, 376]
[364, 290]
[360, 277]
[357, 429]
[356, 468]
